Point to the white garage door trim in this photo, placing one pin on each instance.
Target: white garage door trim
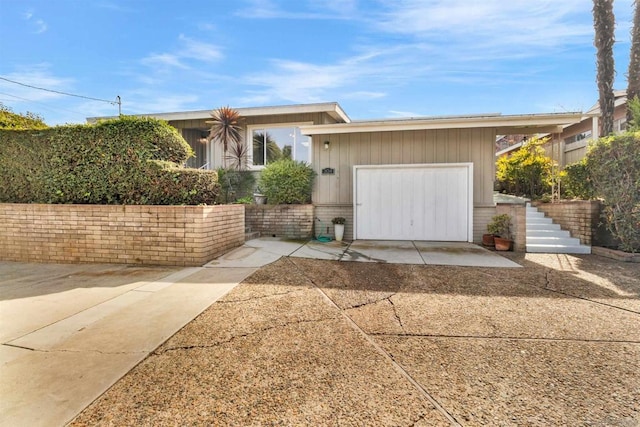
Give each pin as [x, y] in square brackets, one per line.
[465, 168]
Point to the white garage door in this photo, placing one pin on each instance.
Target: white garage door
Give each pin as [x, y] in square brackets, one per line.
[414, 202]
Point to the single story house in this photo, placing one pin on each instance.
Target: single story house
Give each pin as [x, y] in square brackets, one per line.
[424, 178]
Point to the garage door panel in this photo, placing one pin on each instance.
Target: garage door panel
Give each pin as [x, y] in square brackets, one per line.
[418, 202]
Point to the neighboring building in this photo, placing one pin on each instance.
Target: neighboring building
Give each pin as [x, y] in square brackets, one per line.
[393, 179]
[576, 137]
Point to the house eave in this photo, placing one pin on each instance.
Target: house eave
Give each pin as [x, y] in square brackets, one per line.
[527, 123]
[333, 109]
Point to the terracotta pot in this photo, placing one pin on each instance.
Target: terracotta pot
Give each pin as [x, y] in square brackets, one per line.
[502, 244]
[487, 240]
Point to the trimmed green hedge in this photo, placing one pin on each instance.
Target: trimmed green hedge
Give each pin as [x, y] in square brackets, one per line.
[287, 182]
[613, 165]
[122, 161]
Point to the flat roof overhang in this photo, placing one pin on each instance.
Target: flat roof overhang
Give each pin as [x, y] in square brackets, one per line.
[508, 124]
[333, 109]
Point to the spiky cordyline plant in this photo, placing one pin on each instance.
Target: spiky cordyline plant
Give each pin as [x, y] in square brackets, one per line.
[238, 156]
[225, 127]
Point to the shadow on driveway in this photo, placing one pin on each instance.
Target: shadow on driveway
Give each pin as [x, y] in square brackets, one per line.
[325, 343]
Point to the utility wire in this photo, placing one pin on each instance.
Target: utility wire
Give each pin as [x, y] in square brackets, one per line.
[48, 107]
[116, 102]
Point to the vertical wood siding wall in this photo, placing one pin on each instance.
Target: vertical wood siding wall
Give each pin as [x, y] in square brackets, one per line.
[401, 147]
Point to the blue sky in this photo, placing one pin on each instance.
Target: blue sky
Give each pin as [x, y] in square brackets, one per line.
[376, 58]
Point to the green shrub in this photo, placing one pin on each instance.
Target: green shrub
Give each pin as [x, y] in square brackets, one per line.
[576, 182]
[614, 169]
[235, 184]
[527, 171]
[14, 121]
[122, 161]
[287, 182]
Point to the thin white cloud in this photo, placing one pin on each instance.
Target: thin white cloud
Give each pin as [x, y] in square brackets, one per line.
[198, 50]
[38, 25]
[396, 113]
[38, 76]
[113, 6]
[187, 51]
[311, 9]
[164, 60]
[206, 26]
[41, 26]
[149, 101]
[492, 27]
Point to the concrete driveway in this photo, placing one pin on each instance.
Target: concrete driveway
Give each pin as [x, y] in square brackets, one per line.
[316, 342]
[68, 332]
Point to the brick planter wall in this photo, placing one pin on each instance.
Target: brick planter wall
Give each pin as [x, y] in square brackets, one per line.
[288, 221]
[160, 235]
[579, 217]
[325, 213]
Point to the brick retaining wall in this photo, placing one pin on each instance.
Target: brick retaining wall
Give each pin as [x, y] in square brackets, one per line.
[325, 213]
[288, 221]
[158, 235]
[579, 217]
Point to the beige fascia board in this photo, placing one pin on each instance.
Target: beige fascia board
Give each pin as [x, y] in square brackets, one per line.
[331, 108]
[531, 123]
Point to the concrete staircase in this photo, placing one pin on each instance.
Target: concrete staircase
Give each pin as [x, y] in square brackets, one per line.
[543, 236]
[250, 235]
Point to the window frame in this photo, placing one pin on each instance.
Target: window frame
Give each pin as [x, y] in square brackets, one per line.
[249, 139]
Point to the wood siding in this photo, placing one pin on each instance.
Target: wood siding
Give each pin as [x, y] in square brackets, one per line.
[401, 147]
[191, 129]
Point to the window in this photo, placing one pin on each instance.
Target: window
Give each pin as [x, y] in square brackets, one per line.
[578, 137]
[279, 142]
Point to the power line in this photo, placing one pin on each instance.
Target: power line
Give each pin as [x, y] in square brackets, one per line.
[48, 107]
[118, 101]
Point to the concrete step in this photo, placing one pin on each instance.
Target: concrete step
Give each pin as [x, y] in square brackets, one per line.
[539, 220]
[548, 233]
[558, 249]
[552, 240]
[251, 235]
[543, 236]
[534, 214]
[542, 227]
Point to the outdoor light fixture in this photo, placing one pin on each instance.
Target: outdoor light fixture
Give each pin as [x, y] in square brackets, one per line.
[326, 145]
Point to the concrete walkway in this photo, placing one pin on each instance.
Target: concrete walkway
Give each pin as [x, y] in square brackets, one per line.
[68, 332]
[266, 250]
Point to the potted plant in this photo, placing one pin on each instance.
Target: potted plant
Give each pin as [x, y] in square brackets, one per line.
[488, 240]
[338, 227]
[500, 227]
[258, 197]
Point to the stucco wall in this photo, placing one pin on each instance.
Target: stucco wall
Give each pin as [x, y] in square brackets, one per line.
[160, 235]
[288, 221]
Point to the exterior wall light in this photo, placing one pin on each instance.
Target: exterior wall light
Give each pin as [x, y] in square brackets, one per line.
[326, 145]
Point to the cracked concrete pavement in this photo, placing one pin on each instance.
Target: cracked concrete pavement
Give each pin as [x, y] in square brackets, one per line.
[70, 331]
[315, 342]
